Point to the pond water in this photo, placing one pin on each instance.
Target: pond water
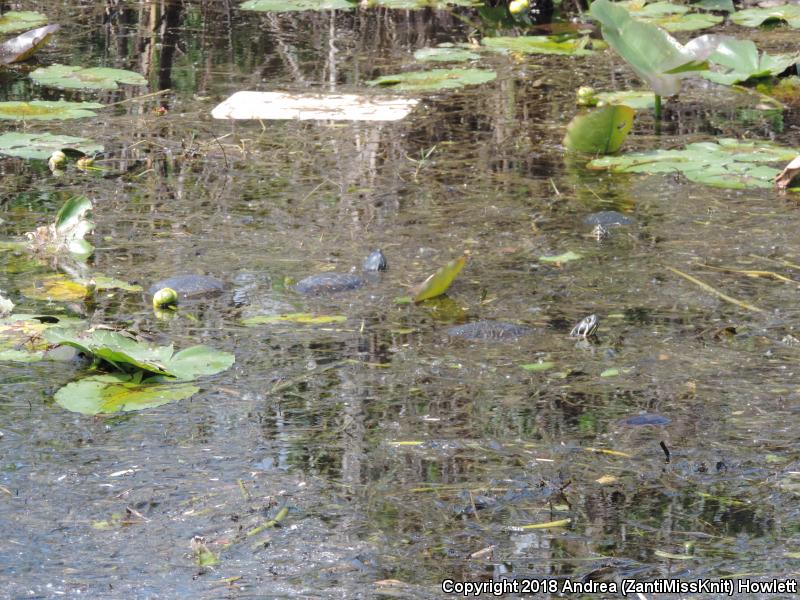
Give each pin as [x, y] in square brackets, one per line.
[403, 456]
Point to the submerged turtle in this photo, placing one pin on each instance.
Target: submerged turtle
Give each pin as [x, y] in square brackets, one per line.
[190, 286]
[489, 330]
[586, 327]
[331, 283]
[609, 218]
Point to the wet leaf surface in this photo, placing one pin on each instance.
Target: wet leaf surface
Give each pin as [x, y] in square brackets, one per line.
[440, 281]
[739, 61]
[539, 45]
[41, 110]
[68, 77]
[435, 79]
[753, 17]
[42, 145]
[15, 20]
[600, 131]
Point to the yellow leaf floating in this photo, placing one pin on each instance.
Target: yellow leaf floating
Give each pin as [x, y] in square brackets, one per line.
[300, 318]
[438, 283]
[606, 479]
[56, 288]
[548, 525]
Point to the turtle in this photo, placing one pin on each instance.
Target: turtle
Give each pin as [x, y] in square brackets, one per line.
[331, 283]
[489, 330]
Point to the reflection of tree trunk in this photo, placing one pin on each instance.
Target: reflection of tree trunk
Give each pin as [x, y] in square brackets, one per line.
[158, 51]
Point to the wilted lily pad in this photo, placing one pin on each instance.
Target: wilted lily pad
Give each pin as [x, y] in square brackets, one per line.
[56, 288]
[753, 17]
[42, 145]
[600, 131]
[43, 110]
[25, 44]
[740, 61]
[728, 163]
[438, 283]
[445, 54]
[299, 318]
[436, 79]
[296, 5]
[539, 44]
[16, 20]
[67, 77]
[566, 257]
[105, 394]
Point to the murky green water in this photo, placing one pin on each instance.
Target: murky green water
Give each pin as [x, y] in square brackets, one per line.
[404, 457]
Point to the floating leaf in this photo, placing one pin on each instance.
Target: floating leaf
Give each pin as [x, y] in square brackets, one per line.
[547, 525]
[67, 77]
[670, 555]
[436, 79]
[540, 366]
[305, 107]
[71, 226]
[539, 44]
[24, 45]
[612, 372]
[21, 335]
[727, 163]
[740, 61]
[650, 51]
[561, 258]
[198, 361]
[672, 17]
[42, 110]
[106, 394]
[720, 5]
[15, 20]
[444, 54]
[633, 98]
[607, 479]
[109, 283]
[56, 288]
[438, 283]
[301, 318]
[753, 17]
[600, 131]
[296, 5]
[42, 145]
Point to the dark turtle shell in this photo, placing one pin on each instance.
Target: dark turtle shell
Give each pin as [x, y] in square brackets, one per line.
[609, 218]
[489, 330]
[376, 261]
[189, 286]
[328, 283]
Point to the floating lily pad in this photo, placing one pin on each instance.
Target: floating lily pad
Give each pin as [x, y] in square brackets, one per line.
[420, 4]
[720, 5]
[106, 394]
[444, 54]
[300, 318]
[21, 336]
[728, 163]
[566, 257]
[436, 79]
[296, 5]
[68, 77]
[109, 283]
[15, 20]
[739, 61]
[672, 17]
[43, 110]
[24, 45]
[438, 283]
[637, 100]
[600, 131]
[753, 17]
[56, 288]
[42, 145]
[539, 44]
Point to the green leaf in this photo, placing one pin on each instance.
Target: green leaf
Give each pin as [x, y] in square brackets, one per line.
[633, 98]
[24, 45]
[753, 17]
[109, 283]
[600, 131]
[561, 258]
[650, 51]
[42, 145]
[106, 394]
[444, 54]
[42, 110]
[539, 366]
[72, 225]
[438, 283]
[739, 61]
[198, 361]
[421, 4]
[21, 335]
[720, 5]
[436, 79]
[672, 17]
[296, 5]
[539, 44]
[727, 163]
[68, 77]
[14, 21]
[55, 288]
[301, 318]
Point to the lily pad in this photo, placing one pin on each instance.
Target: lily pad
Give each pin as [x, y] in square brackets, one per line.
[600, 131]
[720, 5]
[43, 110]
[296, 5]
[300, 318]
[68, 77]
[438, 283]
[539, 44]
[444, 54]
[420, 4]
[727, 163]
[21, 335]
[20, 20]
[436, 79]
[672, 17]
[559, 259]
[56, 288]
[197, 361]
[24, 45]
[106, 394]
[109, 283]
[740, 61]
[42, 145]
[753, 17]
[636, 99]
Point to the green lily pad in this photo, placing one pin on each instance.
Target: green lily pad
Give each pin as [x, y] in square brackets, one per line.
[438, 283]
[720, 5]
[15, 20]
[671, 17]
[559, 259]
[43, 110]
[42, 145]
[444, 54]
[727, 163]
[197, 361]
[21, 335]
[300, 318]
[753, 17]
[109, 283]
[436, 79]
[68, 77]
[600, 131]
[740, 61]
[55, 288]
[106, 394]
[636, 99]
[539, 44]
[420, 4]
[296, 5]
